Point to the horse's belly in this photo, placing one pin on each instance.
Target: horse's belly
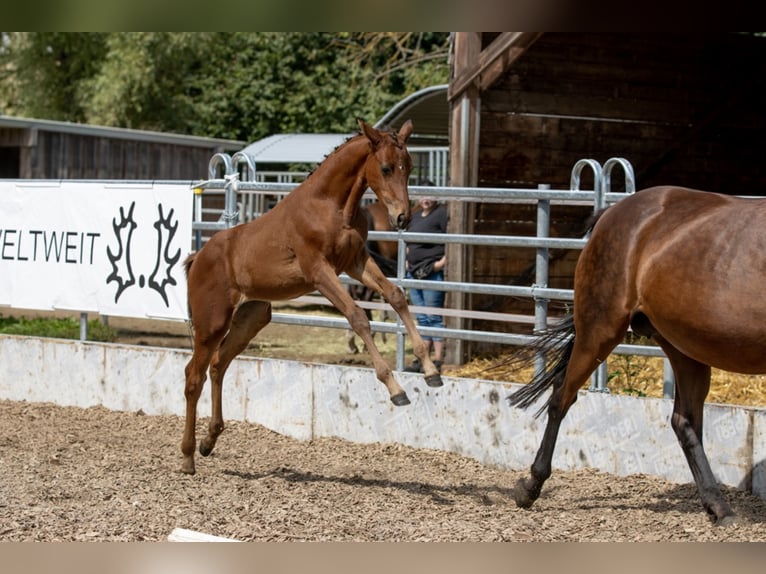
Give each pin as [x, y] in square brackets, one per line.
[279, 291]
[731, 347]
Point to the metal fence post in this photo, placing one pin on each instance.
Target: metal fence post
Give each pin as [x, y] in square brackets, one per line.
[400, 274]
[541, 272]
[83, 326]
[668, 380]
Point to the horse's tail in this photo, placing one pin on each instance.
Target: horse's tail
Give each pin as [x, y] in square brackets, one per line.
[387, 266]
[555, 344]
[187, 266]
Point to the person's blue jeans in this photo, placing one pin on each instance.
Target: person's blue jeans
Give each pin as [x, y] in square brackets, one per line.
[429, 298]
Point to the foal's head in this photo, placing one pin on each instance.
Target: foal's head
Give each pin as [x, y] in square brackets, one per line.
[388, 169]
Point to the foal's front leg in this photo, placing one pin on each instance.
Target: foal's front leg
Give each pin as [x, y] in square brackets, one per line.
[374, 278]
[328, 284]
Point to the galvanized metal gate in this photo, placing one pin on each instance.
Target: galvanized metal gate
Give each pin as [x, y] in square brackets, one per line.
[240, 187]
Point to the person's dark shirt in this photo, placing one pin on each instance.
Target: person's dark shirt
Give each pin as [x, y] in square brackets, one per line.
[434, 222]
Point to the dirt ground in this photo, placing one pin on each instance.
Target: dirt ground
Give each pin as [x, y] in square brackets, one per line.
[73, 474]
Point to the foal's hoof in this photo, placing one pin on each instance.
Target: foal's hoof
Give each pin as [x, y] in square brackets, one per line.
[400, 400]
[204, 449]
[434, 380]
[187, 467]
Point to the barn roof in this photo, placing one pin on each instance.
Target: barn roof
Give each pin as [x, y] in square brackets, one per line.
[294, 148]
[429, 111]
[117, 133]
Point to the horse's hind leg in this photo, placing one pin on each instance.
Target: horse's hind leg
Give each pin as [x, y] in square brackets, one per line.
[249, 318]
[581, 364]
[691, 387]
[585, 353]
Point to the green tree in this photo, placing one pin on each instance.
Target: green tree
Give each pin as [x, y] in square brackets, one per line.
[232, 85]
[144, 81]
[41, 73]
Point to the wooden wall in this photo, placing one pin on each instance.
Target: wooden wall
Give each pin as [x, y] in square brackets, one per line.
[40, 154]
[683, 109]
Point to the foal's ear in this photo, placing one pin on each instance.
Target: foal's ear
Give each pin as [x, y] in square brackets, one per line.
[370, 132]
[406, 131]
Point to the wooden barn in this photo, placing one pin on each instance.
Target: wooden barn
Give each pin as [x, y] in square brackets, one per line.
[684, 109]
[43, 149]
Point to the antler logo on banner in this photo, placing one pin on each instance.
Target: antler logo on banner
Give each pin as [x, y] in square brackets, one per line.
[122, 262]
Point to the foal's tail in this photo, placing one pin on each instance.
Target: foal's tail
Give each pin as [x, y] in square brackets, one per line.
[187, 265]
[555, 344]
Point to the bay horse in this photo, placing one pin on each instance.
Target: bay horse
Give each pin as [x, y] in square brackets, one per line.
[680, 266]
[385, 254]
[315, 233]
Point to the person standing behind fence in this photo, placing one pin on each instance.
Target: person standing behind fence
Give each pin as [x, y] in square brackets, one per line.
[426, 261]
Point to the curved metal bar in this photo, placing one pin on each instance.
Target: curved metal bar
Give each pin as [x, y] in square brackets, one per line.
[574, 181]
[630, 177]
[215, 161]
[242, 158]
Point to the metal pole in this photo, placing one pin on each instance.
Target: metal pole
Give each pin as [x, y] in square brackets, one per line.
[668, 380]
[400, 272]
[541, 272]
[83, 326]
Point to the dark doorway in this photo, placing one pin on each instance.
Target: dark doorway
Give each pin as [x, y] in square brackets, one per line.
[9, 162]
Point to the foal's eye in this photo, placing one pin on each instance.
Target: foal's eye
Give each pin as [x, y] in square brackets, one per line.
[387, 170]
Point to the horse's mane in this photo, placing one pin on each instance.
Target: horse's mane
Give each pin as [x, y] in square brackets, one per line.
[385, 129]
[335, 149]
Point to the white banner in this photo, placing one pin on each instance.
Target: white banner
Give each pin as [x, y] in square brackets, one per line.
[114, 249]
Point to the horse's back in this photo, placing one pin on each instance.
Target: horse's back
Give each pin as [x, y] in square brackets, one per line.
[653, 219]
[691, 262]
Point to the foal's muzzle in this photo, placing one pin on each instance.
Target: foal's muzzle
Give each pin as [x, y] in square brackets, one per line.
[402, 221]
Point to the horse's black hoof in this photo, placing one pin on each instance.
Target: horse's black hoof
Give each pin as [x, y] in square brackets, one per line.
[203, 449]
[727, 520]
[400, 400]
[434, 380]
[522, 496]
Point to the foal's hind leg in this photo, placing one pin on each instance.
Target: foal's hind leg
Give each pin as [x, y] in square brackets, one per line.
[691, 387]
[205, 341]
[249, 318]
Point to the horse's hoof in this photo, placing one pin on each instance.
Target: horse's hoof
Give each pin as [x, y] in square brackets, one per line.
[521, 495]
[400, 400]
[187, 468]
[727, 520]
[434, 380]
[204, 450]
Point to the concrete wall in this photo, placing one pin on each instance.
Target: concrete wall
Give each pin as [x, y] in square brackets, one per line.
[617, 434]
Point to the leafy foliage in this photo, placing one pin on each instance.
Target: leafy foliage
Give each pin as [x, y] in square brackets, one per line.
[41, 73]
[229, 85]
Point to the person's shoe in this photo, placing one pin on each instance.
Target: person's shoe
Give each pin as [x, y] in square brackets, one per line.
[415, 367]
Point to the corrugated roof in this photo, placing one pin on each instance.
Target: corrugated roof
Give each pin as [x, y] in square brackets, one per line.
[294, 148]
[429, 111]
